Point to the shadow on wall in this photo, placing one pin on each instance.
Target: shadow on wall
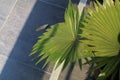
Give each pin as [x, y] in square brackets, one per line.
[19, 65]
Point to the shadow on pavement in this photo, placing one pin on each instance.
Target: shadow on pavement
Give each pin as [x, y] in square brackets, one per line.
[19, 65]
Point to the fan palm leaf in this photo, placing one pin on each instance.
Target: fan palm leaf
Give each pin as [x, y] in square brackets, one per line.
[102, 29]
[108, 67]
[102, 33]
[61, 42]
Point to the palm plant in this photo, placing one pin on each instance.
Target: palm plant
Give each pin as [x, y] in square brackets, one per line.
[61, 42]
[98, 37]
[102, 33]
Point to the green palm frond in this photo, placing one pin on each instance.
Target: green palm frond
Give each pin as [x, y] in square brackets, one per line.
[108, 67]
[102, 33]
[102, 29]
[61, 43]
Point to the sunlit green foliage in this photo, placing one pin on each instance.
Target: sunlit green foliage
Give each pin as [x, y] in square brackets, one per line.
[98, 36]
[102, 33]
[61, 43]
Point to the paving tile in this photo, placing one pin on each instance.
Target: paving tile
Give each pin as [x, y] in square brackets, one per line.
[18, 36]
[1, 22]
[56, 3]
[26, 4]
[2, 17]
[19, 30]
[59, 3]
[14, 70]
[76, 74]
[5, 6]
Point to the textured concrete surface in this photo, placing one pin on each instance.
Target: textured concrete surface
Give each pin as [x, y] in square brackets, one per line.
[5, 8]
[76, 74]
[18, 35]
[1, 20]
[15, 70]
[18, 21]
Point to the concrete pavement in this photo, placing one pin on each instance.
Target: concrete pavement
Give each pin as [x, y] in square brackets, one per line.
[18, 21]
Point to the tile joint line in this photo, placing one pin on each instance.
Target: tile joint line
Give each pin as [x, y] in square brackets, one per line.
[49, 3]
[8, 15]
